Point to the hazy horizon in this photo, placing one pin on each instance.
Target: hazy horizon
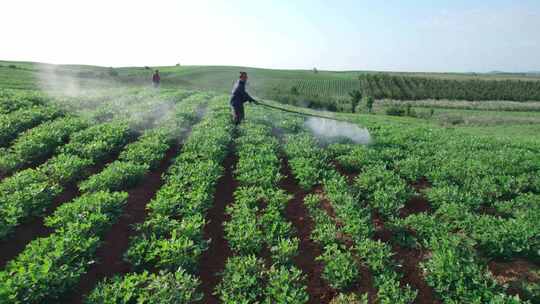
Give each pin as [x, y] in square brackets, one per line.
[446, 36]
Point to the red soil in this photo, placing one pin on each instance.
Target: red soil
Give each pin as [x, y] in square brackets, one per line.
[348, 174]
[109, 255]
[213, 260]
[421, 184]
[409, 259]
[513, 272]
[416, 204]
[296, 212]
[365, 283]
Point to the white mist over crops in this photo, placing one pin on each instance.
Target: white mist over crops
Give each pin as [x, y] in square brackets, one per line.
[329, 129]
[97, 93]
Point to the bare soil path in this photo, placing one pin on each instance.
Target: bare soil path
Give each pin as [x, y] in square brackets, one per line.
[213, 260]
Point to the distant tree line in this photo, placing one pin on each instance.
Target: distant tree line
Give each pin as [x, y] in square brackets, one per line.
[413, 88]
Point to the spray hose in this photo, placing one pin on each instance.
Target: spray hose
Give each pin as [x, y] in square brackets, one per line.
[296, 112]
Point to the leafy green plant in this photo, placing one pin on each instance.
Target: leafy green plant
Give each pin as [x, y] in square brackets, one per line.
[390, 290]
[168, 244]
[162, 288]
[285, 286]
[96, 208]
[116, 176]
[350, 298]
[12, 124]
[65, 168]
[149, 149]
[454, 274]
[243, 280]
[243, 231]
[340, 268]
[285, 250]
[384, 190]
[46, 268]
[274, 226]
[12, 100]
[24, 194]
[307, 160]
[39, 142]
[98, 142]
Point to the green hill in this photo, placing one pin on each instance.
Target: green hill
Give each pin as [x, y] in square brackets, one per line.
[319, 89]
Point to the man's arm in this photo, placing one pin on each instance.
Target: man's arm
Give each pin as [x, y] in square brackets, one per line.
[249, 98]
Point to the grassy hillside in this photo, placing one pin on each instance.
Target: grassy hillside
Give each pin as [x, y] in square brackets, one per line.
[263, 82]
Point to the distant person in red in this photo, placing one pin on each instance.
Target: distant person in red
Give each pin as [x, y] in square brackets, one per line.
[156, 79]
[239, 97]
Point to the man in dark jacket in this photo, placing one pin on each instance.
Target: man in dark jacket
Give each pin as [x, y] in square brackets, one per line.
[156, 79]
[239, 96]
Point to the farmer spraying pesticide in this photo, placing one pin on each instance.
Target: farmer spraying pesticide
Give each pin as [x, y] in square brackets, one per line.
[239, 97]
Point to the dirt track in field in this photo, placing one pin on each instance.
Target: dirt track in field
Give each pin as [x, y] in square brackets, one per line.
[409, 259]
[213, 260]
[109, 256]
[365, 283]
[296, 212]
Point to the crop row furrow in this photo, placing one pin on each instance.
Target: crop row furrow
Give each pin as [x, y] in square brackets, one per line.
[385, 192]
[138, 168]
[30, 192]
[340, 226]
[170, 240]
[257, 232]
[79, 220]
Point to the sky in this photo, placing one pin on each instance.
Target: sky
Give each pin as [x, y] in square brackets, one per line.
[390, 35]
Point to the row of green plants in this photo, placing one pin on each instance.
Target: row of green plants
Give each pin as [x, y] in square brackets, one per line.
[12, 100]
[474, 174]
[30, 192]
[150, 110]
[86, 219]
[52, 265]
[171, 238]
[383, 190]
[413, 88]
[39, 143]
[257, 224]
[466, 175]
[138, 158]
[14, 123]
[346, 235]
[455, 270]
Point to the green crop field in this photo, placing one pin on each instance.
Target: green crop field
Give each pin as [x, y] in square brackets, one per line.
[115, 192]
